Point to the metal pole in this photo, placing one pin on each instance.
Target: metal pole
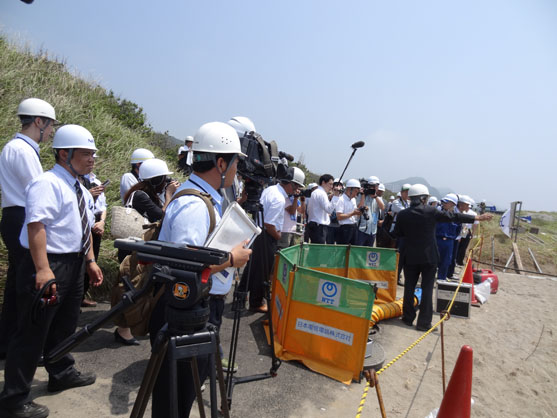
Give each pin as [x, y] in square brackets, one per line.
[443, 355]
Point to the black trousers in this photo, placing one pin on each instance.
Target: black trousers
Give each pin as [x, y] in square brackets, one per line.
[462, 247]
[317, 233]
[411, 275]
[259, 268]
[38, 334]
[347, 234]
[13, 219]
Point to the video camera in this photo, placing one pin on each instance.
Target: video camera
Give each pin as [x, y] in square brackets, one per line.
[370, 189]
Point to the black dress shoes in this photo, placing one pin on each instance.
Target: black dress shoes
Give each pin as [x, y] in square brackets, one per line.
[27, 410]
[74, 379]
[119, 339]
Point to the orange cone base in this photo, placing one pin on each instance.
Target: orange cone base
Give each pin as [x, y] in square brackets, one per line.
[457, 400]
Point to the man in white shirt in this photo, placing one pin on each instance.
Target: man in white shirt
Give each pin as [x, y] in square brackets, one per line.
[467, 231]
[273, 200]
[320, 210]
[294, 206]
[347, 213]
[216, 149]
[19, 164]
[57, 236]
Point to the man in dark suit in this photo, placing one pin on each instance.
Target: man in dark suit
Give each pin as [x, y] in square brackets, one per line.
[419, 255]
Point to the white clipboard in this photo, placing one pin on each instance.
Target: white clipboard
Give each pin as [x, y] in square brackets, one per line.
[234, 227]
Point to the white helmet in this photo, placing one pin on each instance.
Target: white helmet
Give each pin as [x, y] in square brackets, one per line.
[465, 199]
[418, 190]
[153, 168]
[353, 183]
[73, 136]
[451, 197]
[36, 107]
[432, 199]
[312, 186]
[381, 187]
[217, 138]
[406, 186]
[392, 198]
[337, 180]
[373, 180]
[140, 155]
[189, 138]
[298, 177]
[242, 125]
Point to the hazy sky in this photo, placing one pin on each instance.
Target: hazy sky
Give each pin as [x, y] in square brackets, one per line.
[463, 93]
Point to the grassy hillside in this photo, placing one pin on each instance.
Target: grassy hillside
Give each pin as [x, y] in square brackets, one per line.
[118, 125]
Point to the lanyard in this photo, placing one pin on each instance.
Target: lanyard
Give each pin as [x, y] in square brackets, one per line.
[24, 140]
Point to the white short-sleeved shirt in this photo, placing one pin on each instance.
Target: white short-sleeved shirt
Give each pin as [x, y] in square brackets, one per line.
[289, 223]
[396, 206]
[320, 207]
[126, 183]
[19, 164]
[467, 227]
[51, 200]
[186, 221]
[346, 205]
[100, 203]
[273, 200]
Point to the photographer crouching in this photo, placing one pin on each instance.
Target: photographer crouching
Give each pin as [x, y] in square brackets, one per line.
[187, 220]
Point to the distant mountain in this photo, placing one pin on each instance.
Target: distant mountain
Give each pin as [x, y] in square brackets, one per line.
[439, 192]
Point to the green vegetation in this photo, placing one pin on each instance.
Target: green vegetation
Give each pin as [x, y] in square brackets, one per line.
[118, 125]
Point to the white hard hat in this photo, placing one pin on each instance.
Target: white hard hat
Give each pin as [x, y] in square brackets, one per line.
[73, 136]
[140, 155]
[242, 125]
[465, 199]
[353, 183]
[337, 180]
[451, 197]
[392, 198]
[432, 199]
[36, 107]
[299, 176]
[405, 186]
[418, 190]
[312, 185]
[153, 168]
[182, 149]
[217, 138]
[189, 138]
[397, 194]
[373, 180]
[381, 187]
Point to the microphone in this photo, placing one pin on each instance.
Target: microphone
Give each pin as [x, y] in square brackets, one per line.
[289, 157]
[358, 144]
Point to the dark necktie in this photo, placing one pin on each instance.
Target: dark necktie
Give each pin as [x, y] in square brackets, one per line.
[85, 228]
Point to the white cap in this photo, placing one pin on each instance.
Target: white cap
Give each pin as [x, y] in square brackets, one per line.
[140, 155]
[36, 107]
[353, 183]
[153, 168]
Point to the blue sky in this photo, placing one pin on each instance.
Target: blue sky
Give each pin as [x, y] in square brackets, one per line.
[462, 93]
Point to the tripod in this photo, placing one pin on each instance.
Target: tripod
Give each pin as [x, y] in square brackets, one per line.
[254, 208]
[184, 347]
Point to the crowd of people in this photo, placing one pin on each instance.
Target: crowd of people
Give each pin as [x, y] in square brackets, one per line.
[53, 222]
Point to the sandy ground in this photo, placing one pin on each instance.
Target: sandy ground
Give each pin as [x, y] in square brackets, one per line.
[514, 338]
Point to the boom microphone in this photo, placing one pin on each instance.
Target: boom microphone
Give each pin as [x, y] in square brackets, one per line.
[358, 144]
[289, 157]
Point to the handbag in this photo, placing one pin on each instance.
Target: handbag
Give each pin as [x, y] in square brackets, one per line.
[126, 221]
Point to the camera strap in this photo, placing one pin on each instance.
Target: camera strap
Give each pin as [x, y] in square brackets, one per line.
[267, 162]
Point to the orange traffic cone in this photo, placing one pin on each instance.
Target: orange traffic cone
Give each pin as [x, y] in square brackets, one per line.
[457, 400]
[469, 278]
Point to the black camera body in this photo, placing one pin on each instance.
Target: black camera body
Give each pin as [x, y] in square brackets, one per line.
[364, 211]
[262, 164]
[369, 189]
